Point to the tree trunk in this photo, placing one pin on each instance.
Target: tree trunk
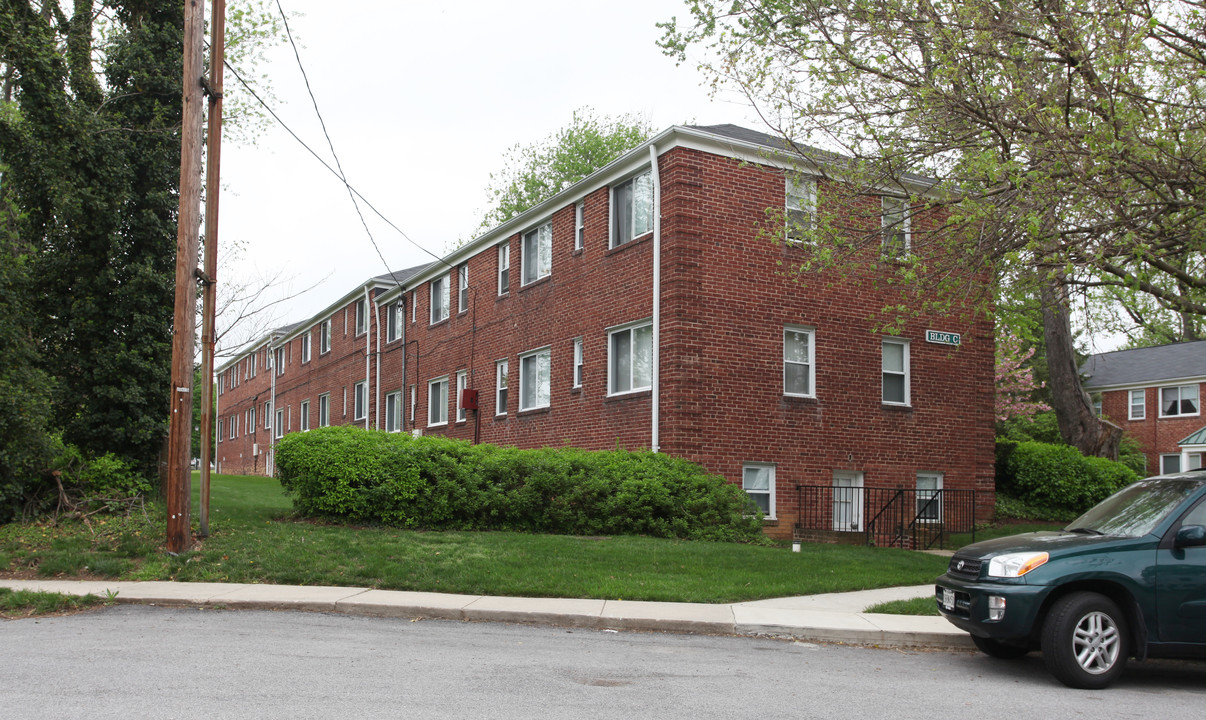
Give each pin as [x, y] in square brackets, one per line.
[1078, 424]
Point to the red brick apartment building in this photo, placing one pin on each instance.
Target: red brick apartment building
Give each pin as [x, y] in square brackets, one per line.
[1155, 395]
[646, 307]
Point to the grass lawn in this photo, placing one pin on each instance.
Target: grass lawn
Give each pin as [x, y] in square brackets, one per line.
[26, 603]
[255, 539]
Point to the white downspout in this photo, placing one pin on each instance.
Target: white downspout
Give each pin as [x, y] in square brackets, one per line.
[377, 367]
[657, 298]
[272, 419]
[368, 348]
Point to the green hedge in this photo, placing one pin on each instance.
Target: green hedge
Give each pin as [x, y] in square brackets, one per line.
[1058, 476]
[438, 483]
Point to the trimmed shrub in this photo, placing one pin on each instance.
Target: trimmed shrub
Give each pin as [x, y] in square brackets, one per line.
[438, 483]
[1060, 477]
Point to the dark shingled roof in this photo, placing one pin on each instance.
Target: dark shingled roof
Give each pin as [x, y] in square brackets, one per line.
[399, 276]
[1146, 365]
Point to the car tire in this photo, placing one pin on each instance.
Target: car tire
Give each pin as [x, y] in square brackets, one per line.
[998, 649]
[1085, 643]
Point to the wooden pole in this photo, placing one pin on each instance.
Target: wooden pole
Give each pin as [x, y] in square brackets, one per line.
[179, 482]
[213, 167]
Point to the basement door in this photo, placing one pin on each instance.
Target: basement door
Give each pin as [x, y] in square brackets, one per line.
[847, 501]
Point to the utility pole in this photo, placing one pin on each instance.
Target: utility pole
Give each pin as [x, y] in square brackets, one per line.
[180, 429]
[213, 165]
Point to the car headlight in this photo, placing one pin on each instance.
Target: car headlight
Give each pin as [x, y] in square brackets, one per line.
[1015, 565]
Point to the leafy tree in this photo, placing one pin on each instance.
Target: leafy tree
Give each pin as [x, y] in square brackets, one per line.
[534, 173]
[90, 133]
[1016, 387]
[1065, 137]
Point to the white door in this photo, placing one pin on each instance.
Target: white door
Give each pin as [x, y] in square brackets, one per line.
[847, 500]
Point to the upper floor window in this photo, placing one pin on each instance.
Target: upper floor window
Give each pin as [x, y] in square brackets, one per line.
[1182, 400]
[305, 347]
[801, 207]
[393, 321]
[799, 368]
[280, 424]
[324, 337]
[896, 372]
[1138, 405]
[537, 253]
[632, 209]
[439, 299]
[251, 364]
[361, 317]
[504, 268]
[462, 286]
[630, 359]
[267, 414]
[280, 361]
[534, 380]
[579, 226]
[896, 230]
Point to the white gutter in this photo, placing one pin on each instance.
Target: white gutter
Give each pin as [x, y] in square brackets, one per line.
[272, 419]
[657, 298]
[368, 347]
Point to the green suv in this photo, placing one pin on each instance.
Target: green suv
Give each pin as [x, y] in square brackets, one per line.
[1126, 579]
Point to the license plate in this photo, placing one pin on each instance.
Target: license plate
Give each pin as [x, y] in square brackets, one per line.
[948, 598]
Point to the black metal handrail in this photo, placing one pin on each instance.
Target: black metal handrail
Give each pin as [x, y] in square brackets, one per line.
[899, 517]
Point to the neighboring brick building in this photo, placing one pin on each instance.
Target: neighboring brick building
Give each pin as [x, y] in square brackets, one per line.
[1155, 395]
[645, 307]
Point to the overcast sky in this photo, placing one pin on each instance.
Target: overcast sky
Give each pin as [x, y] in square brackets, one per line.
[422, 100]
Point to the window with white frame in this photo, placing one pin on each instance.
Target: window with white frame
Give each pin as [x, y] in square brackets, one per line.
[929, 496]
[896, 372]
[632, 209]
[1181, 400]
[280, 361]
[500, 387]
[305, 415]
[577, 362]
[896, 230]
[251, 363]
[758, 481]
[462, 288]
[268, 415]
[220, 428]
[1170, 464]
[439, 299]
[251, 419]
[414, 306]
[800, 207]
[324, 410]
[360, 401]
[437, 402]
[537, 253]
[534, 370]
[414, 401]
[362, 318]
[630, 358]
[1138, 405]
[799, 366]
[504, 268]
[579, 226]
[393, 321]
[305, 347]
[280, 424]
[462, 382]
[393, 412]
[324, 337]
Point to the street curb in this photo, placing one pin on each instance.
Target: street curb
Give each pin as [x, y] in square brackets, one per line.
[849, 628]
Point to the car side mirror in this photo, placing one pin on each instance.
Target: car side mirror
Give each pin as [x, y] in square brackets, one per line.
[1190, 536]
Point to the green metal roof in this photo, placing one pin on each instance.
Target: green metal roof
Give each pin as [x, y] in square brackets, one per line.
[1198, 438]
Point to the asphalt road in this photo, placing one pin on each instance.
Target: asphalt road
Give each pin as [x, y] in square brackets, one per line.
[147, 662]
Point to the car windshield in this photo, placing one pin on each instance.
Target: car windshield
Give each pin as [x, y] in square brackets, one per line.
[1136, 509]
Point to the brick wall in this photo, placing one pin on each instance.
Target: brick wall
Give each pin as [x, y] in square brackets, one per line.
[725, 303]
[1156, 435]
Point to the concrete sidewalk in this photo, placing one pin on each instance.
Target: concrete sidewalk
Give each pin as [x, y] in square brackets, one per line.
[837, 617]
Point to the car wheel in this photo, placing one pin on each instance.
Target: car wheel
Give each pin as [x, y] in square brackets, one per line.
[1085, 641]
[998, 649]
